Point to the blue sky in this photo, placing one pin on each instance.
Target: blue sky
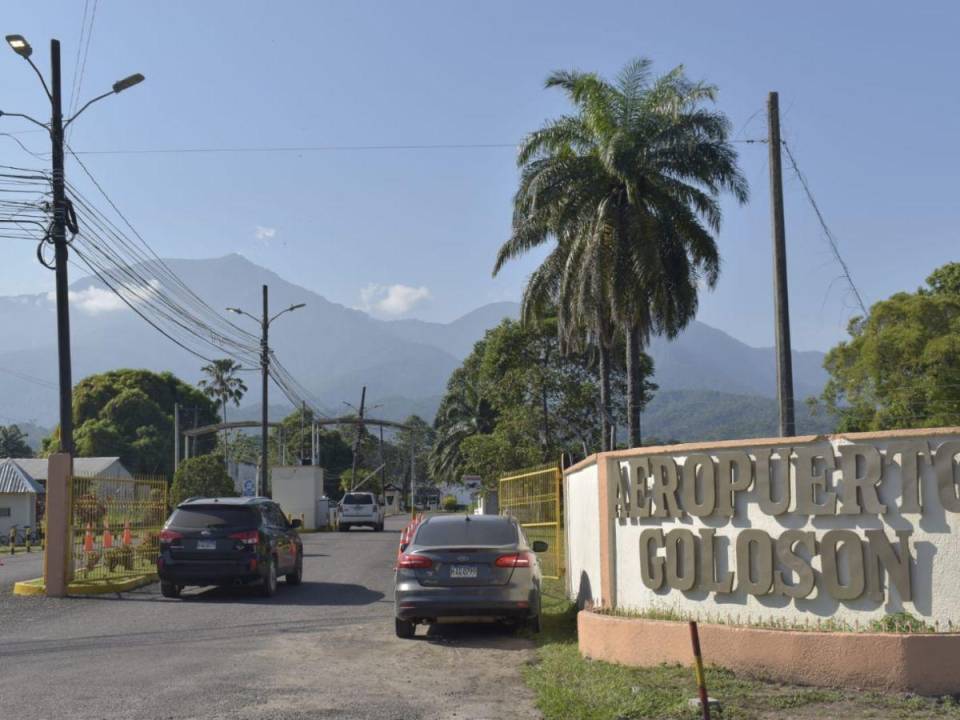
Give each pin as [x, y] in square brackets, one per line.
[868, 101]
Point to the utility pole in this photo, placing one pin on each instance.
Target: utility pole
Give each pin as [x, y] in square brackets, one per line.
[176, 436]
[383, 466]
[780, 295]
[356, 442]
[303, 412]
[264, 399]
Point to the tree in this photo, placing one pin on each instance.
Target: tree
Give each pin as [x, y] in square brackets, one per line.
[223, 385]
[13, 442]
[629, 186]
[202, 476]
[901, 366]
[129, 413]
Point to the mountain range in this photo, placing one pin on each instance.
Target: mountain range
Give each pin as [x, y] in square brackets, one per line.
[333, 350]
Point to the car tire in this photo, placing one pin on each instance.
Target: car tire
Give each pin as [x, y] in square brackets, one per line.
[405, 628]
[533, 624]
[343, 528]
[296, 577]
[169, 590]
[380, 526]
[268, 588]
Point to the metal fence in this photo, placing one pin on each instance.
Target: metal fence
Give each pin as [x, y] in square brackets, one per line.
[533, 497]
[115, 526]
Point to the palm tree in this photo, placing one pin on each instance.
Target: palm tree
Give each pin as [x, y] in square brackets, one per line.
[629, 186]
[464, 412]
[223, 385]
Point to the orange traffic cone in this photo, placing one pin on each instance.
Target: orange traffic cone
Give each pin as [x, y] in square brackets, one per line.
[107, 535]
[127, 535]
[88, 539]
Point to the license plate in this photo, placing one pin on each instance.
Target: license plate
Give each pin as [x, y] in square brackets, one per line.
[206, 544]
[463, 571]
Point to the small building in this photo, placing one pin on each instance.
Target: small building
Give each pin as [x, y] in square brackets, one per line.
[21, 498]
[393, 499]
[298, 489]
[83, 467]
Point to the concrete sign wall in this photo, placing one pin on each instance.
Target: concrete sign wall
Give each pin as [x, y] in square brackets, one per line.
[852, 527]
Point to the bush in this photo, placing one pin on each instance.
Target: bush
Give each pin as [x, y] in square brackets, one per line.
[202, 476]
[449, 503]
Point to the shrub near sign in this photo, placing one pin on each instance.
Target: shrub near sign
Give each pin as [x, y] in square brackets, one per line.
[836, 518]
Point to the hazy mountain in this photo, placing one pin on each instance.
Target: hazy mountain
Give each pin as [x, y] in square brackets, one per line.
[331, 349]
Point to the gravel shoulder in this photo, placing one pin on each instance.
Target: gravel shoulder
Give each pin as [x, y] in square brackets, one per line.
[325, 649]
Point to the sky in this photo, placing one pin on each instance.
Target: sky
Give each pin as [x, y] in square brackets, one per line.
[868, 105]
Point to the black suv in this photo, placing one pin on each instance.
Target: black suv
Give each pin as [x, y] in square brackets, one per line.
[229, 541]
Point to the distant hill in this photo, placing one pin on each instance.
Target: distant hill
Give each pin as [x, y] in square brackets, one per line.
[333, 350]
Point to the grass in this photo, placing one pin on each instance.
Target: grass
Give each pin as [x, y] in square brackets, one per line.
[570, 687]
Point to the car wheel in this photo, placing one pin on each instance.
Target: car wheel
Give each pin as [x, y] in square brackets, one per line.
[405, 628]
[343, 528]
[169, 590]
[296, 577]
[380, 526]
[533, 624]
[269, 586]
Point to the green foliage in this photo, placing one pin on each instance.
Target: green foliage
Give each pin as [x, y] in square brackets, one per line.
[901, 366]
[129, 413]
[372, 485]
[900, 622]
[13, 442]
[202, 476]
[449, 503]
[222, 385]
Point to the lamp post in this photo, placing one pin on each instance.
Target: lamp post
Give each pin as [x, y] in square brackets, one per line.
[57, 234]
[265, 321]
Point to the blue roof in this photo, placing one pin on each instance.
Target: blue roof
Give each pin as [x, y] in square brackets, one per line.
[14, 479]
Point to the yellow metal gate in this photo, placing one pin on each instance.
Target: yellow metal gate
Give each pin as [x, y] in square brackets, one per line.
[533, 497]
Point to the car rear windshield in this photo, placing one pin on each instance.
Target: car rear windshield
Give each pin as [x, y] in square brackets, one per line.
[468, 532]
[357, 499]
[212, 516]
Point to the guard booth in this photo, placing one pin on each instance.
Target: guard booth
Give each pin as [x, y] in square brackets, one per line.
[297, 488]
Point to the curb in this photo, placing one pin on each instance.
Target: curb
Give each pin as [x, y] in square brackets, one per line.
[33, 588]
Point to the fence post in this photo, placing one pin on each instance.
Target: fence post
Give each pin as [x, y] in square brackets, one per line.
[56, 558]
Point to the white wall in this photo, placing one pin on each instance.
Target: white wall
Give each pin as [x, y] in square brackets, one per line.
[22, 512]
[935, 545]
[581, 501]
[297, 488]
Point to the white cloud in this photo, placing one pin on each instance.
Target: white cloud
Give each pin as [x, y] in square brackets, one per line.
[95, 301]
[265, 234]
[392, 300]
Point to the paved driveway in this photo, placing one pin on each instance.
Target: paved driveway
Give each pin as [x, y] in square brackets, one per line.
[325, 649]
[22, 566]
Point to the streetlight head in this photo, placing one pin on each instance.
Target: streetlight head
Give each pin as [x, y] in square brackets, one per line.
[128, 82]
[234, 310]
[20, 45]
[297, 307]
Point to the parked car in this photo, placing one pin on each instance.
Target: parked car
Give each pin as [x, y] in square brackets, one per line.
[358, 509]
[229, 541]
[458, 566]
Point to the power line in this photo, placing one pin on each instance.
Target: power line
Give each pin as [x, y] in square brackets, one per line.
[297, 148]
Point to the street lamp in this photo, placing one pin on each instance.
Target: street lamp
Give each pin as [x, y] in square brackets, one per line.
[57, 234]
[265, 322]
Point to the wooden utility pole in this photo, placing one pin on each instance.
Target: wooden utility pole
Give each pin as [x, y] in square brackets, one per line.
[781, 305]
[356, 442]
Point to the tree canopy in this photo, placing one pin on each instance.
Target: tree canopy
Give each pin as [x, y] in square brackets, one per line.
[129, 413]
[901, 366]
[13, 442]
[202, 476]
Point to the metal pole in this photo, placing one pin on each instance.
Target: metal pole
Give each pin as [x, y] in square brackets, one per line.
[265, 377]
[303, 412]
[383, 471]
[176, 436]
[356, 442]
[60, 247]
[698, 669]
[413, 474]
[780, 296]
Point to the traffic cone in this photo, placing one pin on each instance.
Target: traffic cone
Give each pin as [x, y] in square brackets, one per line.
[107, 535]
[88, 539]
[127, 535]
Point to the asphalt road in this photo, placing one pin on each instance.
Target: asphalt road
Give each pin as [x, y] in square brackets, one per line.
[21, 566]
[325, 649]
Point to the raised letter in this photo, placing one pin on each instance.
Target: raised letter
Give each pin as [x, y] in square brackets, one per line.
[688, 485]
[651, 564]
[946, 471]
[858, 493]
[830, 548]
[765, 468]
[746, 540]
[795, 563]
[808, 480]
[681, 559]
[910, 452]
[664, 489]
[897, 565]
[708, 565]
[734, 473]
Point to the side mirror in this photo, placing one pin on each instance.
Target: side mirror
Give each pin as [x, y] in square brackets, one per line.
[539, 546]
[404, 546]
[295, 523]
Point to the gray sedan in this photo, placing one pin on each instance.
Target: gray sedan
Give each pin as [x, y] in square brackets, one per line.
[468, 566]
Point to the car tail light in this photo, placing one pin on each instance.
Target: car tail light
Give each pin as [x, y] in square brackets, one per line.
[513, 560]
[414, 562]
[168, 536]
[247, 537]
